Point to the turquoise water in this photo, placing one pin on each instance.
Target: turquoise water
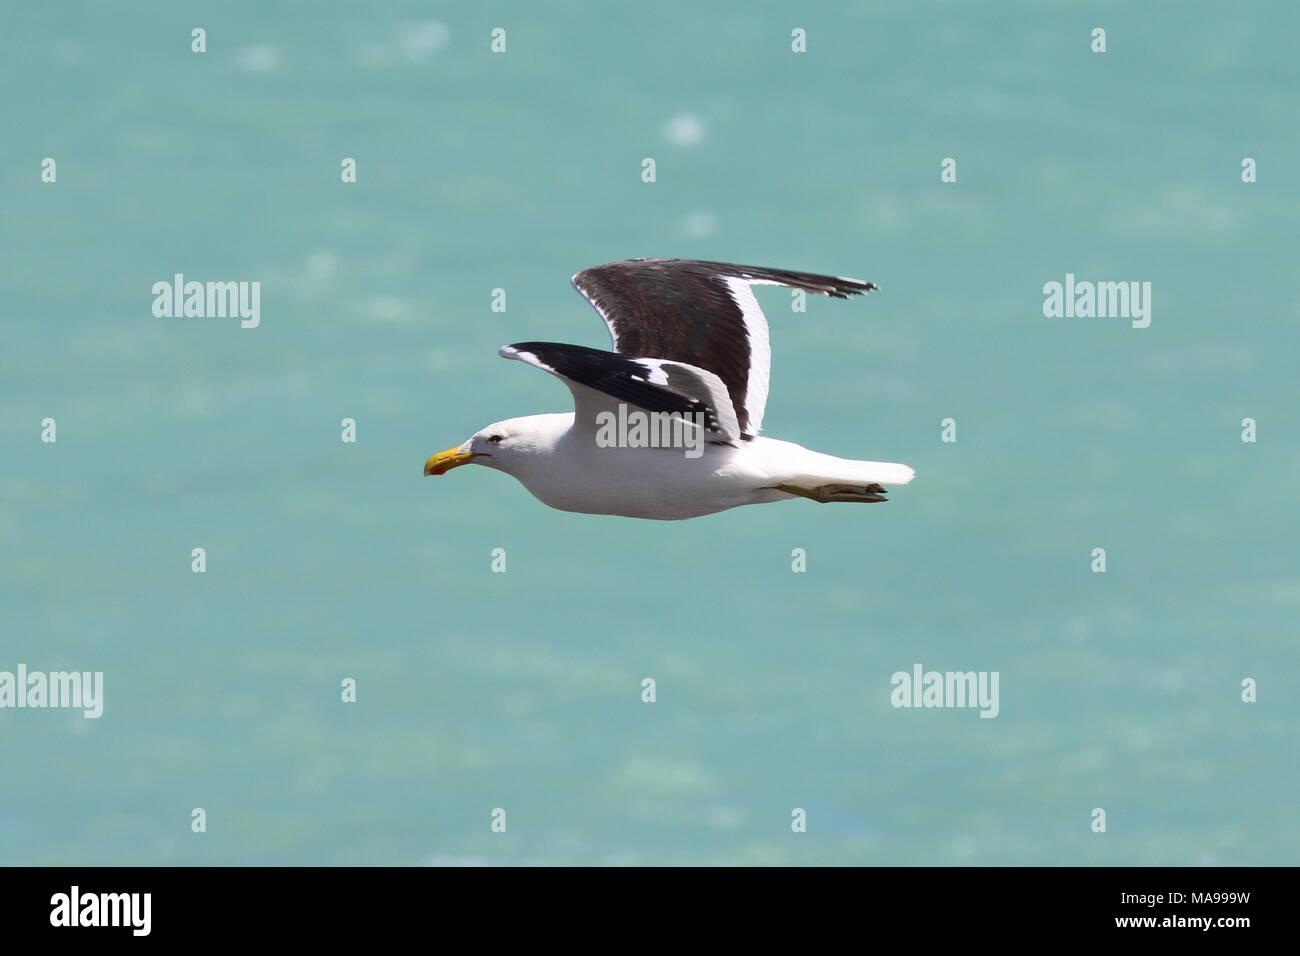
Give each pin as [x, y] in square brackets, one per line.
[522, 690]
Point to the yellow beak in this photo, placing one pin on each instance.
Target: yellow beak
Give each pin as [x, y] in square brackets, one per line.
[444, 461]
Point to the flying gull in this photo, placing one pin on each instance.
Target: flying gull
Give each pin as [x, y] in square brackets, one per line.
[690, 348]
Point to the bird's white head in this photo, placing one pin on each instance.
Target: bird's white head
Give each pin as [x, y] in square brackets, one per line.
[506, 446]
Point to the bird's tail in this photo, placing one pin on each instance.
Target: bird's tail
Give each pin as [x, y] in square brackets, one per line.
[826, 478]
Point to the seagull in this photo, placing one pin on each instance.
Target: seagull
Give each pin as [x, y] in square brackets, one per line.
[690, 364]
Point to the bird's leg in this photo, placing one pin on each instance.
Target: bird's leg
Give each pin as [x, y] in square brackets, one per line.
[836, 492]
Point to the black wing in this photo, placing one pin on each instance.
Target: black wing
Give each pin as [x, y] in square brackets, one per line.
[702, 314]
[656, 385]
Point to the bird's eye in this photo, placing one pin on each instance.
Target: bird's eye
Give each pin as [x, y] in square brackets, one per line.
[495, 439]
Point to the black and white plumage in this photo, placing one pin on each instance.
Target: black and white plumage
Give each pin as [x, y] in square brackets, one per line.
[690, 342]
[702, 314]
[655, 385]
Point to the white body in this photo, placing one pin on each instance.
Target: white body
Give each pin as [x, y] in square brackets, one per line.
[564, 468]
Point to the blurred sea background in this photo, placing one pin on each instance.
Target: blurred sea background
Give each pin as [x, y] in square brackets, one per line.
[522, 690]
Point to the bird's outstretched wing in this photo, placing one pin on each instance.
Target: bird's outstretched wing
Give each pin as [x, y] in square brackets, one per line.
[600, 380]
[700, 314]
